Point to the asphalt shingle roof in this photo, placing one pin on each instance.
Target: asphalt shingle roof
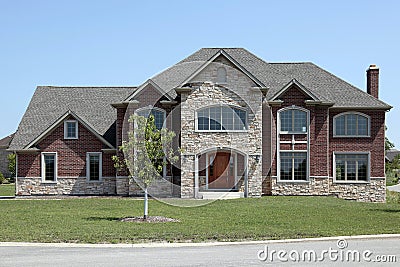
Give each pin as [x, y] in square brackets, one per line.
[326, 86]
[49, 103]
[5, 142]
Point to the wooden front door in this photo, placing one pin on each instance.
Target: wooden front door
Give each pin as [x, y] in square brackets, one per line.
[221, 171]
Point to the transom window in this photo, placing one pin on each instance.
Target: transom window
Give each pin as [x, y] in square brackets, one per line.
[49, 167]
[94, 166]
[293, 166]
[221, 118]
[293, 121]
[351, 167]
[71, 129]
[351, 124]
[159, 115]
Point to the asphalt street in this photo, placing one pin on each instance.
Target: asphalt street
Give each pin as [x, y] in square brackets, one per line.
[346, 252]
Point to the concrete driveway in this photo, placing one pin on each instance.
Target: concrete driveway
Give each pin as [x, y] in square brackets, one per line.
[394, 188]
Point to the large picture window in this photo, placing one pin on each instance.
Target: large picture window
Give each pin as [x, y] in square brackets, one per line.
[49, 167]
[159, 115]
[293, 121]
[293, 166]
[351, 167]
[351, 124]
[221, 118]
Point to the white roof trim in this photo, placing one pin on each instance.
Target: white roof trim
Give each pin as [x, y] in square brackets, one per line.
[60, 120]
[299, 85]
[219, 53]
[148, 82]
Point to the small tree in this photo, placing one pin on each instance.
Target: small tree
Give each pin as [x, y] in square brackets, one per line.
[12, 165]
[144, 152]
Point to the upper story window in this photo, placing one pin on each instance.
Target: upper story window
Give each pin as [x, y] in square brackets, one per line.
[293, 120]
[159, 115]
[351, 124]
[221, 118]
[71, 129]
[221, 75]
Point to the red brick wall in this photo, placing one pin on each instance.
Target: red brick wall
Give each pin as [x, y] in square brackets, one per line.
[71, 154]
[374, 144]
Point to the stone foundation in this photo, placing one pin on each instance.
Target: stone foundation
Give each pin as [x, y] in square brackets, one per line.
[162, 187]
[374, 191]
[65, 186]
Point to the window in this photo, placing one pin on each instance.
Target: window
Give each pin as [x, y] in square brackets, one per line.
[49, 167]
[221, 118]
[293, 121]
[293, 166]
[221, 75]
[351, 167]
[94, 166]
[351, 124]
[159, 115]
[71, 129]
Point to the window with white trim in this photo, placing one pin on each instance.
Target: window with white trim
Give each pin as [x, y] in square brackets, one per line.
[293, 120]
[293, 166]
[49, 166]
[70, 129]
[221, 118]
[351, 167]
[351, 124]
[159, 115]
[94, 166]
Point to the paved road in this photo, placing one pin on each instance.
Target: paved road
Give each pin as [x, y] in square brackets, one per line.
[222, 255]
[394, 188]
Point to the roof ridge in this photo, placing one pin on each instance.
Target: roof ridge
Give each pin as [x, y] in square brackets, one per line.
[72, 86]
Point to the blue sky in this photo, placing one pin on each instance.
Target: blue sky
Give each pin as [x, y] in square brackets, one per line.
[126, 42]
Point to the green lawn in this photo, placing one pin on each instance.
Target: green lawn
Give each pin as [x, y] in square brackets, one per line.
[7, 190]
[94, 220]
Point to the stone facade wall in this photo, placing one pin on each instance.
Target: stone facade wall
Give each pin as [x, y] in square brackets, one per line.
[237, 91]
[27, 186]
[374, 191]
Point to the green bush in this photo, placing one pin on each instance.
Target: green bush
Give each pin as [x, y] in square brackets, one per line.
[2, 179]
[12, 166]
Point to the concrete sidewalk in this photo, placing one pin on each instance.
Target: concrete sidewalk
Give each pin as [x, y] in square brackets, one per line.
[395, 188]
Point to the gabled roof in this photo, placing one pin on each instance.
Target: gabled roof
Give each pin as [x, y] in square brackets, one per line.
[5, 142]
[298, 85]
[320, 83]
[391, 154]
[48, 104]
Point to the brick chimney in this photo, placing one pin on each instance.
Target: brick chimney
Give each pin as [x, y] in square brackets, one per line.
[373, 81]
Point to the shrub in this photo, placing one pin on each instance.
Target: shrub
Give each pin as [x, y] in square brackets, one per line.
[11, 166]
[2, 179]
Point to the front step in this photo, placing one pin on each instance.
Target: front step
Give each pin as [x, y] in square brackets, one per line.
[220, 195]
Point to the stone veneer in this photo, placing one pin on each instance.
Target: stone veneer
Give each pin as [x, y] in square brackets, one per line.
[374, 191]
[238, 91]
[65, 186]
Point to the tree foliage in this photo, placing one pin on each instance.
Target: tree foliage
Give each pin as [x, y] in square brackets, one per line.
[145, 150]
[12, 165]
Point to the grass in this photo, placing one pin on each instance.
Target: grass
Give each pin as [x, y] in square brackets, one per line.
[7, 190]
[95, 220]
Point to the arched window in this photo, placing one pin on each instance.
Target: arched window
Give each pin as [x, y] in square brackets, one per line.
[221, 75]
[293, 120]
[221, 118]
[159, 115]
[351, 124]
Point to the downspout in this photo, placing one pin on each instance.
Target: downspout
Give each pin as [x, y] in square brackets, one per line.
[327, 150]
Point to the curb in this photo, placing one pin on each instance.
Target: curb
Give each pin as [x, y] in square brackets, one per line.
[206, 244]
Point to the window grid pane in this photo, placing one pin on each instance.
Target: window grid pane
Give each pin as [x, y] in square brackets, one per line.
[71, 129]
[351, 125]
[294, 121]
[49, 161]
[94, 169]
[293, 166]
[352, 167]
[223, 118]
